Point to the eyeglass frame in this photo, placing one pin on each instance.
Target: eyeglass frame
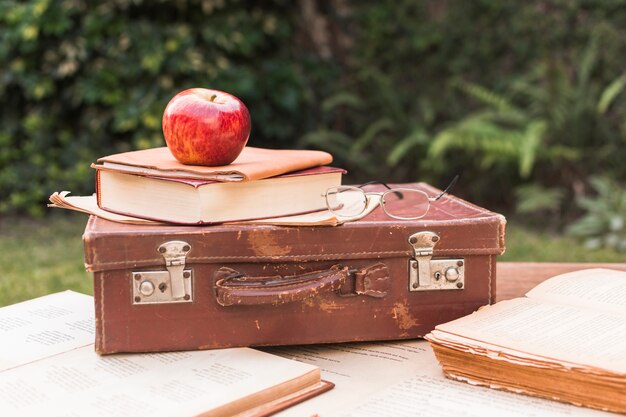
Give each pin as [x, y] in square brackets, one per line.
[390, 190]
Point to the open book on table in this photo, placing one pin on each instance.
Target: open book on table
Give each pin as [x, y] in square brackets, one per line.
[565, 340]
[48, 367]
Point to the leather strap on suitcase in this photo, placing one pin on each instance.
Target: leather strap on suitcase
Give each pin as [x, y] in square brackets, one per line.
[235, 288]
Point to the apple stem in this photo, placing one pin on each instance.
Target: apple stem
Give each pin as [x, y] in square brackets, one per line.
[213, 97]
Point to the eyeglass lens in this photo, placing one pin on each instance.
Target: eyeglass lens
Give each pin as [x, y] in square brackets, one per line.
[346, 201]
[405, 203]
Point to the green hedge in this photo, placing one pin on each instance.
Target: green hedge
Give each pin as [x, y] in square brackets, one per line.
[82, 81]
[510, 93]
[532, 89]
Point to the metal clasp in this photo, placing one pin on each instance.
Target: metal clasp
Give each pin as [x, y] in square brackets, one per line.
[427, 274]
[171, 286]
[174, 253]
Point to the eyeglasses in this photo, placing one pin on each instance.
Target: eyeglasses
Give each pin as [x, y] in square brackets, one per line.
[399, 203]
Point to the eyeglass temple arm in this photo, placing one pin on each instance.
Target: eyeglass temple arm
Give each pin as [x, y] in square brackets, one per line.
[437, 197]
[374, 182]
[448, 188]
[397, 193]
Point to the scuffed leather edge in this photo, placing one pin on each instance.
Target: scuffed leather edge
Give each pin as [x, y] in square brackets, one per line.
[88, 244]
[99, 302]
[502, 234]
[373, 281]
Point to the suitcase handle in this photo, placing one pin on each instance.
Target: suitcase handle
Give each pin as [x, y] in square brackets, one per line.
[235, 288]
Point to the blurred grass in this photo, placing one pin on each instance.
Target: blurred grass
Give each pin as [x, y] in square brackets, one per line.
[529, 245]
[39, 257]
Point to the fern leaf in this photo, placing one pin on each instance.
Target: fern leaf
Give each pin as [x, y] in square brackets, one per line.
[589, 59]
[372, 131]
[532, 138]
[587, 226]
[415, 138]
[487, 97]
[327, 138]
[533, 198]
[342, 99]
[564, 152]
[610, 93]
[475, 134]
[604, 186]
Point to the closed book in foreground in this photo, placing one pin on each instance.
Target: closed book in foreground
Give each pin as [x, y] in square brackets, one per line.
[565, 340]
[187, 201]
[48, 367]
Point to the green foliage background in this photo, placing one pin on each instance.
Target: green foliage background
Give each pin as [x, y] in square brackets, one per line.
[525, 98]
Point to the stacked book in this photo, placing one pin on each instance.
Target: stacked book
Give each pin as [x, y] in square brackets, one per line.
[278, 186]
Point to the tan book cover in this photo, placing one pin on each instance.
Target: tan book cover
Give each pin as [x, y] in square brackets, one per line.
[252, 164]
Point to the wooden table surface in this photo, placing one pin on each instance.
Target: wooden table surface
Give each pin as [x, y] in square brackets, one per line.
[514, 279]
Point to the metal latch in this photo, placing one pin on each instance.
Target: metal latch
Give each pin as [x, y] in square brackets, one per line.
[171, 286]
[427, 274]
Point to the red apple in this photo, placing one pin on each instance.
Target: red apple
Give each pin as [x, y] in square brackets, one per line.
[206, 127]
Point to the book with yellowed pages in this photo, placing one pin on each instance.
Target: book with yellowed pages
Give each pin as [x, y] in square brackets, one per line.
[48, 367]
[190, 201]
[252, 164]
[565, 340]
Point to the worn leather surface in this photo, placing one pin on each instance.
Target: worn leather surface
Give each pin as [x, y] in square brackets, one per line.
[372, 281]
[464, 229]
[240, 289]
[235, 288]
[365, 307]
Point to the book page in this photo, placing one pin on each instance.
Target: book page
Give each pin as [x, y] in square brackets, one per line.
[403, 379]
[89, 205]
[597, 288]
[185, 384]
[45, 326]
[562, 333]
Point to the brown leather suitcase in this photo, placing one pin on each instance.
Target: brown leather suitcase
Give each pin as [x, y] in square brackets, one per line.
[162, 288]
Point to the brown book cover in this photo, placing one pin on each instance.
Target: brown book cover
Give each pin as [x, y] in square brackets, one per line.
[193, 201]
[252, 164]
